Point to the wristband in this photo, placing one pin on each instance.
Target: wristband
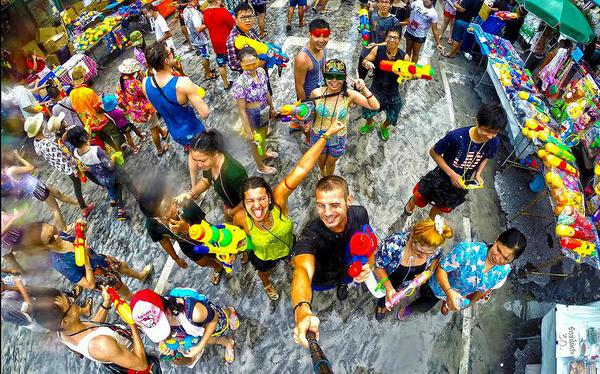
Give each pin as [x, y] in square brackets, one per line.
[380, 284]
[370, 96]
[106, 307]
[325, 136]
[298, 305]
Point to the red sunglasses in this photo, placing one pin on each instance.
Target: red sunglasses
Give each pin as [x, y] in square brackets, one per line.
[320, 32]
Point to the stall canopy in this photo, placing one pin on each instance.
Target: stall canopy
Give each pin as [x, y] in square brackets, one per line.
[564, 14]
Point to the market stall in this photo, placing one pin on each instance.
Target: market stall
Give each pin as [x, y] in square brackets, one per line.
[63, 72]
[549, 133]
[571, 339]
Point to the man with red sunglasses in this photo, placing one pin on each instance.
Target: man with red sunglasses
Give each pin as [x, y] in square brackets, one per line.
[309, 62]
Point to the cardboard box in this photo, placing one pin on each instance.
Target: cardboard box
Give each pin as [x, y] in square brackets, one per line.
[32, 46]
[78, 7]
[55, 43]
[52, 60]
[44, 33]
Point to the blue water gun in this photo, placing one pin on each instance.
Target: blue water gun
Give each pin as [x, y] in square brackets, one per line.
[364, 27]
[270, 53]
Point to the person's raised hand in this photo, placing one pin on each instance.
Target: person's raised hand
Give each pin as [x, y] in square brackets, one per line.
[335, 127]
[105, 296]
[307, 322]
[368, 65]
[179, 199]
[359, 85]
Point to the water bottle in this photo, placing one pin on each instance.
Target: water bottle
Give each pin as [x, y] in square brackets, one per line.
[10, 279]
[462, 302]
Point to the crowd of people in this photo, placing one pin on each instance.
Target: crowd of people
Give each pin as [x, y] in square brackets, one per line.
[85, 135]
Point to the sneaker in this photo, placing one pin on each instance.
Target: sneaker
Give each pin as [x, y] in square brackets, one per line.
[366, 128]
[384, 133]
[342, 292]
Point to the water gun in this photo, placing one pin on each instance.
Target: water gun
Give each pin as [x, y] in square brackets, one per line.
[260, 144]
[362, 245]
[407, 70]
[552, 160]
[408, 290]
[554, 180]
[79, 243]
[298, 111]
[463, 302]
[582, 248]
[470, 185]
[575, 232]
[364, 27]
[222, 240]
[201, 92]
[180, 345]
[549, 138]
[505, 15]
[559, 152]
[523, 95]
[271, 54]
[121, 306]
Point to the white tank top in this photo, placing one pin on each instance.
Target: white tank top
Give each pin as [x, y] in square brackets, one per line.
[82, 347]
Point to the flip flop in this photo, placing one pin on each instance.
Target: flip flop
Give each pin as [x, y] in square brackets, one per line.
[165, 149]
[444, 54]
[271, 154]
[215, 277]
[450, 41]
[148, 269]
[166, 136]
[212, 76]
[444, 308]
[269, 170]
[234, 321]
[230, 354]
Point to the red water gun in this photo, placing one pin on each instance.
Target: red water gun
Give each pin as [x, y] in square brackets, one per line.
[79, 243]
[121, 306]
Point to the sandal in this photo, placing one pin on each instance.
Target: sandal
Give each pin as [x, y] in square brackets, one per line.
[137, 150]
[148, 270]
[403, 313]
[234, 321]
[446, 55]
[215, 277]
[268, 170]
[271, 154]
[165, 149]
[230, 354]
[166, 136]
[406, 212]
[450, 41]
[122, 215]
[444, 308]
[273, 295]
[212, 76]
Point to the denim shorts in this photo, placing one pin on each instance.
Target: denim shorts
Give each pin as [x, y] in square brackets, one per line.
[415, 39]
[294, 3]
[460, 28]
[202, 50]
[254, 117]
[336, 146]
[221, 59]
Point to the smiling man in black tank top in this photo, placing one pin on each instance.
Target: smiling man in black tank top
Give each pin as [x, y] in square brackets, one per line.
[385, 84]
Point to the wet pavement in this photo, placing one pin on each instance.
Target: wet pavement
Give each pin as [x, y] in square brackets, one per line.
[381, 176]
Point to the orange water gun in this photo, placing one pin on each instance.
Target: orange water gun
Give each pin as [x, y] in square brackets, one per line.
[79, 243]
[123, 309]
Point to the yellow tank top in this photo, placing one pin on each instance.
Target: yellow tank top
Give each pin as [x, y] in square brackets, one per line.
[277, 241]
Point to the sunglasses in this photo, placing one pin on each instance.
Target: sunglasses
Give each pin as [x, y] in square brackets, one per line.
[247, 18]
[336, 76]
[321, 33]
[250, 65]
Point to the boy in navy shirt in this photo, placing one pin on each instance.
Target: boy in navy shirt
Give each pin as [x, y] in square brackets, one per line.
[461, 157]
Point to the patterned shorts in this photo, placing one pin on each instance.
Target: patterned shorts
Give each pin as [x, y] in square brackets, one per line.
[390, 105]
[336, 146]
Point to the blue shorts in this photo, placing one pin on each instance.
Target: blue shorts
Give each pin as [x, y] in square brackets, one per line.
[336, 146]
[460, 28]
[294, 3]
[221, 59]
[201, 50]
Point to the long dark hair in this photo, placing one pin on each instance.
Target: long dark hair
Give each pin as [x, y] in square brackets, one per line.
[209, 142]
[515, 240]
[257, 182]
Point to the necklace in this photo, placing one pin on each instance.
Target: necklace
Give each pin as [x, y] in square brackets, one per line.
[390, 55]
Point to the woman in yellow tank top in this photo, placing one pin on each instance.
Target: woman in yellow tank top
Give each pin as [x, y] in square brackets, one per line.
[331, 105]
[265, 216]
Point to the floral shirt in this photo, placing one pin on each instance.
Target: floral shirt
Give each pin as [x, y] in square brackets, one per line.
[139, 55]
[464, 266]
[133, 99]
[245, 87]
[55, 156]
[391, 250]
[86, 102]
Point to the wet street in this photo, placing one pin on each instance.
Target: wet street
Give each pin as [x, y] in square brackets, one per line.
[381, 177]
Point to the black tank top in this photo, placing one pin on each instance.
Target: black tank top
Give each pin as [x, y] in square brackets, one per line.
[384, 81]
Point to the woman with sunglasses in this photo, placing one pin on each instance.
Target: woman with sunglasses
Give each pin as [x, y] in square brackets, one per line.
[266, 218]
[404, 255]
[119, 350]
[255, 106]
[472, 270]
[331, 105]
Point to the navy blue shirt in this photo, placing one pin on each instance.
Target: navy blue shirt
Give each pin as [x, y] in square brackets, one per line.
[471, 9]
[379, 27]
[462, 154]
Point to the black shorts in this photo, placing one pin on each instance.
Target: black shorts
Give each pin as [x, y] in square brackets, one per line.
[414, 38]
[260, 9]
[262, 265]
[188, 250]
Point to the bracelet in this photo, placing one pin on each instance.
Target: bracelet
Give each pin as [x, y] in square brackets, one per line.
[298, 305]
[324, 136]
[447, 289]
[380, 284]
[370, 96]
[106, 307]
